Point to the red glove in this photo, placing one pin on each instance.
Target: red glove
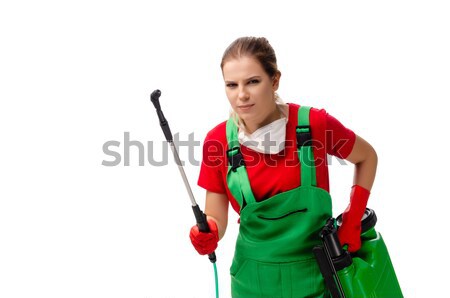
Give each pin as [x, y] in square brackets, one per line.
[205, 243]
[350, 230]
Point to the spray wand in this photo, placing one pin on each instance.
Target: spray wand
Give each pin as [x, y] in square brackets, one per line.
[200, 217]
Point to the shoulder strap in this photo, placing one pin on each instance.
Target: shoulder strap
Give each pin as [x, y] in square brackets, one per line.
[237, 177]
[304, 148]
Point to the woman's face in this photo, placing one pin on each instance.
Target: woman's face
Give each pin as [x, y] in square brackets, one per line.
[251, 91]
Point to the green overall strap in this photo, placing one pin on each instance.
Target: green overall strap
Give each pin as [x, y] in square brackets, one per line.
[304, 148]
[237, 177]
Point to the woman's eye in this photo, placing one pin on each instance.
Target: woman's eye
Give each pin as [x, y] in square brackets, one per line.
[231, 85]
[255, 81]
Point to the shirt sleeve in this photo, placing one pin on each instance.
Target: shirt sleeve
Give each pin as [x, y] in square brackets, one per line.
[340, 139]
[211, 169]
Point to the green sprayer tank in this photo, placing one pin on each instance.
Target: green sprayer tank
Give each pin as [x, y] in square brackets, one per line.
[367, 273]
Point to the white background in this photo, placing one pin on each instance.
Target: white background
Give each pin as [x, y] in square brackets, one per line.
[76, 74]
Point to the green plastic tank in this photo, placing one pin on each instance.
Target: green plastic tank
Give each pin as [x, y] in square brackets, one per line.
[367, 273]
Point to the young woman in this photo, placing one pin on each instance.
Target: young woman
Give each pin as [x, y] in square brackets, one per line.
[269, 162]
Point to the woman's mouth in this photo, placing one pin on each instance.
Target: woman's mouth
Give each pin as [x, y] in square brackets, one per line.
[245, 107]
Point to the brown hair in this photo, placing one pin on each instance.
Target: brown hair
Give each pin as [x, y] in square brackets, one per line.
[255, 47]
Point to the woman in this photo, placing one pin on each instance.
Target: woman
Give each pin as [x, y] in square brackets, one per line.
[269, 162]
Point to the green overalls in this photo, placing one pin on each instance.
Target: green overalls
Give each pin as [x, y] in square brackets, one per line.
[273, 256]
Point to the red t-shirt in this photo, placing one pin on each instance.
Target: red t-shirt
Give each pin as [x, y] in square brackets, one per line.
[270, 174]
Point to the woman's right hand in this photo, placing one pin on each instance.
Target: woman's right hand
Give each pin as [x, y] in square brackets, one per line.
[205, 243]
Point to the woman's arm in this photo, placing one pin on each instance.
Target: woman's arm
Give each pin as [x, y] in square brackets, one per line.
[216, 208]
[365, 159]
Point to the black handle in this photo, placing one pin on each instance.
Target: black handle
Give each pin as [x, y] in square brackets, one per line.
[340, 257]
[202, 224]
[327, 271]
[329, 235]
[331, 258]
[154, 97]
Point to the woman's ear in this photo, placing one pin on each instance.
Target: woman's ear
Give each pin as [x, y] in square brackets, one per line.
[276, 81]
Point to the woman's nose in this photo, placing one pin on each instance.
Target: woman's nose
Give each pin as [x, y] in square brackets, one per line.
[243, 94]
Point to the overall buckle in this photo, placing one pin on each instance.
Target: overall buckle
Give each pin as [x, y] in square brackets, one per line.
[235, 158]
[304, 137]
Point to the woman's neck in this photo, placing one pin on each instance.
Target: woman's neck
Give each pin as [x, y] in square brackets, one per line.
[251, 127]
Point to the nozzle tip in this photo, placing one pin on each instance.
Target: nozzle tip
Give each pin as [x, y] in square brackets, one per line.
[155, 95]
